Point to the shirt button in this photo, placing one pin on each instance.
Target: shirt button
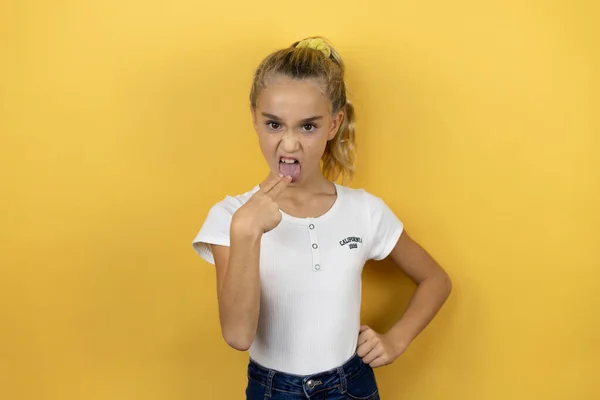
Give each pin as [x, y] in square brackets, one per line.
[317, 267]
[315, 246]
[311, 226]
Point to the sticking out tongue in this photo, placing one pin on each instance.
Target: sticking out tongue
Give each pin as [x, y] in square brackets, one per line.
[292, 170]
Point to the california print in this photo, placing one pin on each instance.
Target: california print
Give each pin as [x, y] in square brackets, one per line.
[352, 240]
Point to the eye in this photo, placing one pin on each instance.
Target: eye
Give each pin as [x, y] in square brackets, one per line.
[273, 125]
[309, 127]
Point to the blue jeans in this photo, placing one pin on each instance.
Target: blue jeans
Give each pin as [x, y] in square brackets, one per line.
[353, 380]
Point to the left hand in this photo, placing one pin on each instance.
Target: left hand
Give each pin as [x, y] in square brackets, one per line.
[375, 349]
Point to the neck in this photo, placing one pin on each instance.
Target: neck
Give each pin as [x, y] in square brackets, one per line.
[312, 184]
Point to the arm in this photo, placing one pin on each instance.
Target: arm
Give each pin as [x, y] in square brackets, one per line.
[238, 272]
[433, 288]
[238, 287]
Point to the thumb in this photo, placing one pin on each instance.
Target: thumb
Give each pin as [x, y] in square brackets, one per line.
[364, 328]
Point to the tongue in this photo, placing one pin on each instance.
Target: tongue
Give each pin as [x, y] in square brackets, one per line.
[292, 170]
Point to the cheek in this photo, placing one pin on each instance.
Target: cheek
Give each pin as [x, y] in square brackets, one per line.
[265, 140]
[316, 147]
[268, 147]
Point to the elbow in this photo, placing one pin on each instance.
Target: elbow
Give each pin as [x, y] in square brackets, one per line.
[447, 284]
[239, 345]
[440, 283]
[238, 340]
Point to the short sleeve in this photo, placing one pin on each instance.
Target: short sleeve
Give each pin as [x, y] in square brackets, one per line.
[214, 230]
[386, 228]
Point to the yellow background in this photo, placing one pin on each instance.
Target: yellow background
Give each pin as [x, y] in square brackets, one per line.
[122, 122]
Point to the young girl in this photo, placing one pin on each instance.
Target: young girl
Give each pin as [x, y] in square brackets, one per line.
[289, 253]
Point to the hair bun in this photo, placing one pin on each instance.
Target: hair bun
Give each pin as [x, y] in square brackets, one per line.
[316, 44]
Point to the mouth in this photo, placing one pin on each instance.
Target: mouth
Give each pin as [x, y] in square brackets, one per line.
[291, 167]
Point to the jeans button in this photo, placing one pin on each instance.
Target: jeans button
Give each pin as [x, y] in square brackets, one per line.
[310, 384]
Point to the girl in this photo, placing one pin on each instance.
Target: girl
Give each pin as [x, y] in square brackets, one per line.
[289, 253]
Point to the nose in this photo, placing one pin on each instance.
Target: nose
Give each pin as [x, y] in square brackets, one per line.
[290, 142]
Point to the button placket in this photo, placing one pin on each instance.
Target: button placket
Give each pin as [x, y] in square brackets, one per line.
[314, 244]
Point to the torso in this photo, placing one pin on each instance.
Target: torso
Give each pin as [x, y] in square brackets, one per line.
[310, 271]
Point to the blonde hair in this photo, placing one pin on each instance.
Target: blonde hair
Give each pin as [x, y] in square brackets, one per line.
[306, 63]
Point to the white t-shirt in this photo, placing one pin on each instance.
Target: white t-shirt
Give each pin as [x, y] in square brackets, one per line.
[310, 277]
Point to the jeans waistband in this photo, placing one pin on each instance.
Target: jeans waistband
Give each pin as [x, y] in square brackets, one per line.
[305, 384]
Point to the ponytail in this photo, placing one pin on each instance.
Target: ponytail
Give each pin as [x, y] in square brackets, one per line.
[340, 153]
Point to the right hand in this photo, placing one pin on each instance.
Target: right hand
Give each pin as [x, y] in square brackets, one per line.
[261, 212]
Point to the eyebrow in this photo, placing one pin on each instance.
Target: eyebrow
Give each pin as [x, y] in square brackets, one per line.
[276, 118]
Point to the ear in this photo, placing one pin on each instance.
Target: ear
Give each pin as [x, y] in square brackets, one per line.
[254, 121]
[335, 125]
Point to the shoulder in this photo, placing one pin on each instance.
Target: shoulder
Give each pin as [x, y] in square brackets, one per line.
[215, 229]
[360, 197]
[363, 202]
[231, 203]
[383, 226]
[220, 214]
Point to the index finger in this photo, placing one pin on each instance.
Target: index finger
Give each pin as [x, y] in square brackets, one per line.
[279, 187]
[270, 183]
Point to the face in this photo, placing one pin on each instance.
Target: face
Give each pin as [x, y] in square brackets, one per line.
[293, 121]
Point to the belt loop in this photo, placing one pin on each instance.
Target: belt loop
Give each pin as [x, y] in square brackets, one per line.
[269, 383]
[342, 379]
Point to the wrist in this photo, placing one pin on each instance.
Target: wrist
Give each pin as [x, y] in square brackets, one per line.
[244, 229]
[398, 340]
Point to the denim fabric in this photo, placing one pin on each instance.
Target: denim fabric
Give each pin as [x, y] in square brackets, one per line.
[353, 380]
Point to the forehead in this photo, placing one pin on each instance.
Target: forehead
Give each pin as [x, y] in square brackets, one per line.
[289, 98]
